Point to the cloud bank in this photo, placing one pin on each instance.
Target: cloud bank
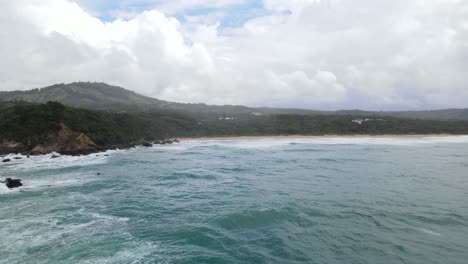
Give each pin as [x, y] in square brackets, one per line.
[326, 54]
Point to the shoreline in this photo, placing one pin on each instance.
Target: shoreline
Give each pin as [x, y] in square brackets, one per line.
[318, 136]
[222, 138]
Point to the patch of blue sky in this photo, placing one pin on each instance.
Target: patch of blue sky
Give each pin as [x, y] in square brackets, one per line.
[107, 12]
[233, 15]
[238, 15]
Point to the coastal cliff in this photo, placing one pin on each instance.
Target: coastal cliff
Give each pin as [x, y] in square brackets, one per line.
[66, 142]
[35, 129]
[63, 141]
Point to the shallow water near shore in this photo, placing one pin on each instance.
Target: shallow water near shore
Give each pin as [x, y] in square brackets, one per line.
[322, 200]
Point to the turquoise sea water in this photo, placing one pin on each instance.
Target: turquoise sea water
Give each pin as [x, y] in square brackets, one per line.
[348, 200]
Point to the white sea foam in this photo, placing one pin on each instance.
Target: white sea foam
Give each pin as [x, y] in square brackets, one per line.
[134, 253]
[58, 180]
[34, 183]
[429, 232]
[47, 162]
[277, 142]
[110, 218]
[4, 189]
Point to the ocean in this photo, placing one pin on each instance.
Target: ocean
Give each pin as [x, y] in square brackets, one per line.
[322, 200]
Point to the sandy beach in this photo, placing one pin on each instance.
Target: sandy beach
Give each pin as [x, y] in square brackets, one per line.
[317, 137]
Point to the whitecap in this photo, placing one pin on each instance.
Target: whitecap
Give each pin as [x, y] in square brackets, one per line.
[134, 253]
[4, 189]
[47, 162]
[105, 217]
[429, 232]
[261, 143]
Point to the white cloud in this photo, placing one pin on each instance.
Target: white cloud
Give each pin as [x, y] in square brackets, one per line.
[310, 53]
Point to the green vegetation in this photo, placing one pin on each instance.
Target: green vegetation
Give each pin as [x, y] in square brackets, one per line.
[97, 96]
[23, 121]
[32, 124]
[328, 125]
[117, 117]
[101, 96]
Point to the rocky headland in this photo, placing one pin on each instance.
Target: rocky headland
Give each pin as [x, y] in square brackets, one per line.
[68, 142]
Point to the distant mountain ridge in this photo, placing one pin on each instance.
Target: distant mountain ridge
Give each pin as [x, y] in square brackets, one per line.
[101, 96]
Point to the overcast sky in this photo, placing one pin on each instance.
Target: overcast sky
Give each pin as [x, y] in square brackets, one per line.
[317, 54]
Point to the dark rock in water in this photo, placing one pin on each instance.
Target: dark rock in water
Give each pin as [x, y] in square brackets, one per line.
[157, 142]
[98, 173]
[176, 141]
[166, 141]
[106, 155]
[146, 144]
[17, 158]
[55, 156]
[13, 183]
[6, 160]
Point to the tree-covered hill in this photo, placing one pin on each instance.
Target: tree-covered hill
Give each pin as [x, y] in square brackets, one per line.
[98, 96]
[101, 96]
[53, 126]
[33, 125]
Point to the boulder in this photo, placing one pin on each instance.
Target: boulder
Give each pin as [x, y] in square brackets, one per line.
[146, 144]
[13, 183]
[55, 156]
[17, 158]
[6, 160]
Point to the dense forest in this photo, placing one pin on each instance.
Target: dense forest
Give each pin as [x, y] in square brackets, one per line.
[20, 121]
[32, 124]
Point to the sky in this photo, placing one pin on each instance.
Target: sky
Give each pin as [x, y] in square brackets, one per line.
[315, 54]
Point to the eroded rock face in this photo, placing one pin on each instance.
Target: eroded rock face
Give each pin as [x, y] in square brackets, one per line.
[67, 142]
